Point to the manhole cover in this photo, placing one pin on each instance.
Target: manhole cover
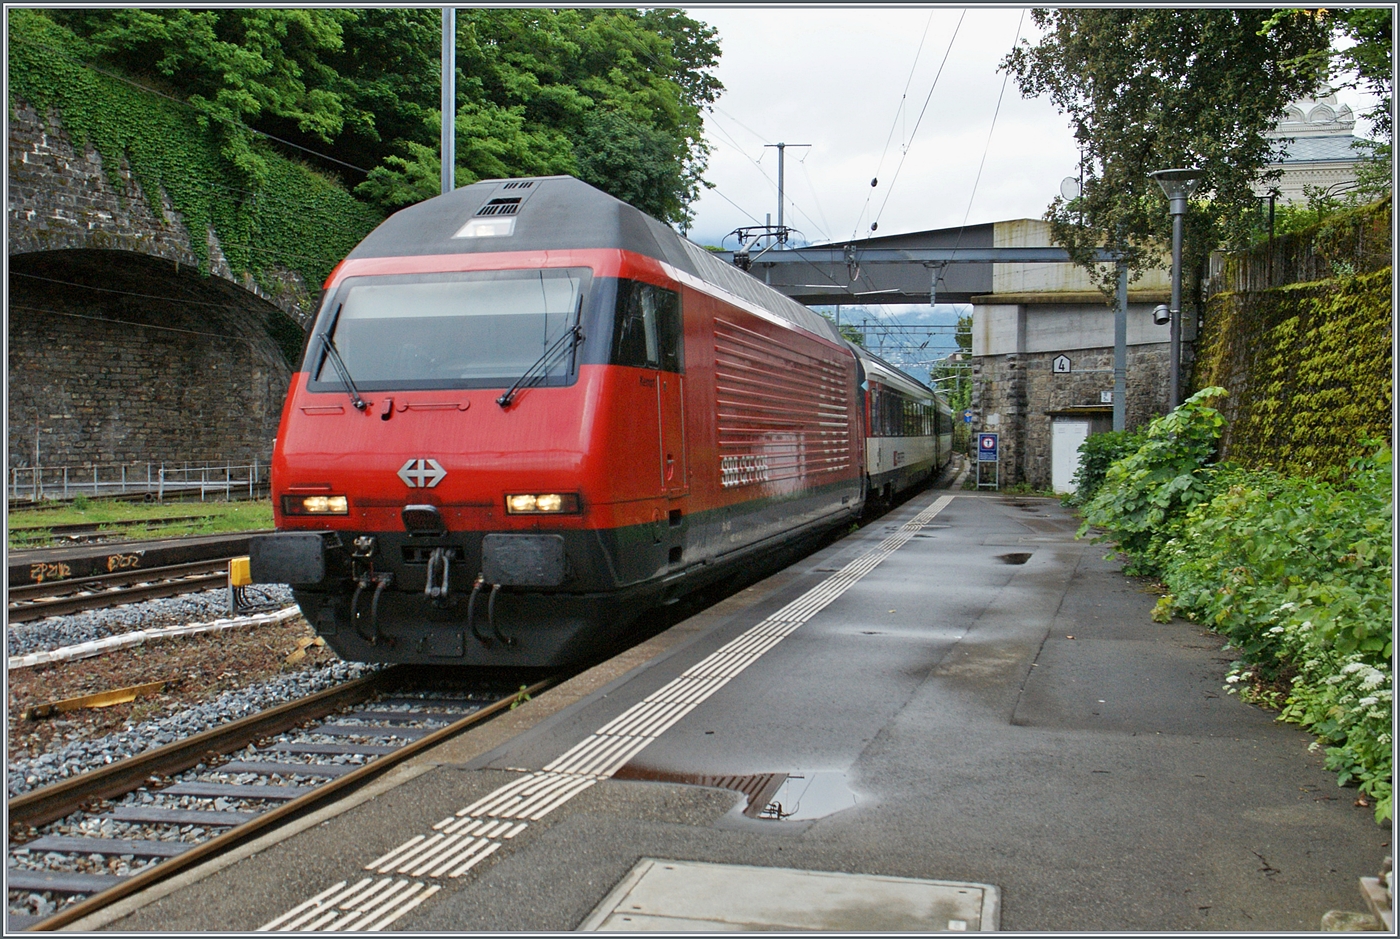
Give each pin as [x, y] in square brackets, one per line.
[691, 896]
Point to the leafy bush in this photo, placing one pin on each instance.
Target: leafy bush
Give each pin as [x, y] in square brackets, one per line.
[1096, 454]
[1145, 495]
[1296, 572]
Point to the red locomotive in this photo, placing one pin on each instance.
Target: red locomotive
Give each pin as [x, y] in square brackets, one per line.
[527, 412]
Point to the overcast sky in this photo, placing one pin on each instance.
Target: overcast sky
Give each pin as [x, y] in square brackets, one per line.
[836, 78]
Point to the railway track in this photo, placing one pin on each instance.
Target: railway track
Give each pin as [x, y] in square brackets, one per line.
[170, 808]
[28, 602]
[97, 531]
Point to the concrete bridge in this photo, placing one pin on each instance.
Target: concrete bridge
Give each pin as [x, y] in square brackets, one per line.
[120, 349]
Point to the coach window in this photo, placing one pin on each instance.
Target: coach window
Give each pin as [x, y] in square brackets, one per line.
[647, 333]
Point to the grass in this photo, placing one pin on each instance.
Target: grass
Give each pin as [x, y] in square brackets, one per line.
[219, 517]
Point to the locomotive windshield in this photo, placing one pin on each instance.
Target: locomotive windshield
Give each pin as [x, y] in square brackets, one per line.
[475, 329]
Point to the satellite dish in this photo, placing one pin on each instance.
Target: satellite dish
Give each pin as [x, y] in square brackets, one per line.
[1069, 188]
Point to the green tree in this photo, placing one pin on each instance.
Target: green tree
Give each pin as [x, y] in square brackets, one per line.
[1367, 64]
[615, 97]
[236, 67]
[1154, 88]
[955, 369]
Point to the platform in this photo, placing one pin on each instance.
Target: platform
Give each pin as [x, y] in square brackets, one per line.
[960, 694]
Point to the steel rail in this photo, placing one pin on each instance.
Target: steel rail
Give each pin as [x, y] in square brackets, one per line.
[322, 793]
[54, 802]
[55, 588]
[80, 528]
[171, 586]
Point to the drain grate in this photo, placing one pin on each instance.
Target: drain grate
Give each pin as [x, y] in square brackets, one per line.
[759, 788]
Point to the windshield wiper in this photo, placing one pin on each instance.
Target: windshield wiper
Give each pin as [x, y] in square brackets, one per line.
[341, 370]
[572, 337]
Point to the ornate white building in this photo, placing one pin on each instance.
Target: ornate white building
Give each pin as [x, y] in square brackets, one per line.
[1320, 154]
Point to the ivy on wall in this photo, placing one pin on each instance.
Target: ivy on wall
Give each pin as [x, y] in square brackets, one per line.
[299, 220]
[1307, 365]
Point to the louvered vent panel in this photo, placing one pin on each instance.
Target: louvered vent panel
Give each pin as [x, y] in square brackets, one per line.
[500, 207]
[783, 414]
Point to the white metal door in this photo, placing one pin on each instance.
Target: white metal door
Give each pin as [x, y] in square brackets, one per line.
[1066, 436]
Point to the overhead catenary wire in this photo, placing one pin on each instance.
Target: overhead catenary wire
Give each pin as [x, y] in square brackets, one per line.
[987, 147]
[124, 293]
[737, 146]
[729, 138]
[880, 164]
[116, 322]
[910, 144]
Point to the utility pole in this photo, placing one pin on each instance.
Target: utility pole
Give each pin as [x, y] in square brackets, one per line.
[782, 233]
[1120, 349]
[449, 98]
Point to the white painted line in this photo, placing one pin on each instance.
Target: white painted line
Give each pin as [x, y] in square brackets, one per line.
[458, 856]
[385, 901]
[445, 858]
[329, 906]
[515, 831]
[320, 921]
[567, 785]
[406, 864]
[401, 864]
[623, 758]
[379, 925]
[86, 650]
[507, 789]
[561, 799]
[304, 906]
[618, 724]
[463, 826]
[381, 861]
[476, 860]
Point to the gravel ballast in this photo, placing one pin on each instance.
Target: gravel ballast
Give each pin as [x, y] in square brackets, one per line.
[57, 631]
[81, 755]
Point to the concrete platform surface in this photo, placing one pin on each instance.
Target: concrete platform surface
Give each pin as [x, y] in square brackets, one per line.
[687, 896]
[958, 693]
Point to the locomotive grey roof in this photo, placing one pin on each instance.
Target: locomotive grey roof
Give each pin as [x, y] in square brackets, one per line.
[561, 213]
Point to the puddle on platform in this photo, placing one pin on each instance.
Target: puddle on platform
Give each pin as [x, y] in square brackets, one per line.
[804, 796]
[1016, 557]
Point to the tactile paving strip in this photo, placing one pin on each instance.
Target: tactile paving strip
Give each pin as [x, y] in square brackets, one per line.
[457, 845]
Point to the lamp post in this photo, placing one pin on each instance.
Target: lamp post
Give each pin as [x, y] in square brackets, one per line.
[1178, 185]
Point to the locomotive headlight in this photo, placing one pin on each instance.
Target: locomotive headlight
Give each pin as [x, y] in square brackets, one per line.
[550, 503]
[315, 505]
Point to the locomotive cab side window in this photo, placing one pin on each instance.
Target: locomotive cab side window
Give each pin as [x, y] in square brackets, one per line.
[647, 331]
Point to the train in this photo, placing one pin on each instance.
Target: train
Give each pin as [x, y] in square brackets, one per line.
[527, 412]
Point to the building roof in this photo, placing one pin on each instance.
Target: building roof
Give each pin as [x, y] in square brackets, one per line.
[1336, 149]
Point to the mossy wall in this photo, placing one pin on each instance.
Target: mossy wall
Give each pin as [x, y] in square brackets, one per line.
[1308, 365]
[294, 219]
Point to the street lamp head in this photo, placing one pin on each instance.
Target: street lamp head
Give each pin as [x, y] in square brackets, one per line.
[1177, 184]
